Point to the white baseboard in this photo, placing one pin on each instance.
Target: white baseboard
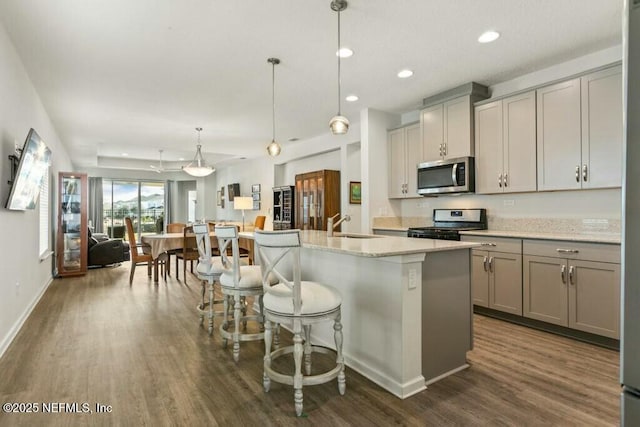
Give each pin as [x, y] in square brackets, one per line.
[8, 339]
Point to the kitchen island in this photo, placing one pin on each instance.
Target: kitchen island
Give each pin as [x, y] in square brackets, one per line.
[406, 309]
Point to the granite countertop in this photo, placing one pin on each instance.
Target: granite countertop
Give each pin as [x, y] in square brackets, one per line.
[369, 245]
[593, 237]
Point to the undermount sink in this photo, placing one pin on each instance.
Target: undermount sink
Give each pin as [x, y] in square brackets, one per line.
[355, 236]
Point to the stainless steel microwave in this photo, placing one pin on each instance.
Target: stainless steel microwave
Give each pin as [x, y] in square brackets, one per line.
[448, 176]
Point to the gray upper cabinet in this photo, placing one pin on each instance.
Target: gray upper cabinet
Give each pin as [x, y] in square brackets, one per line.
[602, 129]
[405, 152]
[505, 145]
[579, 126]
[447, 129]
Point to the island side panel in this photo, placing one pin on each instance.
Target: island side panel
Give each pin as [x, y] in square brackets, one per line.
[447, 329]
[381, 314]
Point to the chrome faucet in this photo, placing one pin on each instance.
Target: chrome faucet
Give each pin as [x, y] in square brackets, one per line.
[331, 225]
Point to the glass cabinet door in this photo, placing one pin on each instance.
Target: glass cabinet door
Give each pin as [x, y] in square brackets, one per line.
[72, 225]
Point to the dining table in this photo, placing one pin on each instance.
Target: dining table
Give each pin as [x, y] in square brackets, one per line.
[158, 244]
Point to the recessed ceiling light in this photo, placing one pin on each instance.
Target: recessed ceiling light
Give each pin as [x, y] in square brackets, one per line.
[293, 139]
[125, 154]
[181, 159]
[351, 98]
[405, 73]
[488, 36]
[344, 52]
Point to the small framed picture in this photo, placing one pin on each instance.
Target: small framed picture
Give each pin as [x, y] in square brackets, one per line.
[355, 192]
[256, 196]
[256, 205]
[255, 188]
[222, 191]
[219, 198]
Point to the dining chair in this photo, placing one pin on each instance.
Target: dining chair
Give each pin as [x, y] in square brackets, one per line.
[259, 222]
[208, 270]
[138, 257]
[174, 227]
[300, 304]
[238, 282]
[189, 252]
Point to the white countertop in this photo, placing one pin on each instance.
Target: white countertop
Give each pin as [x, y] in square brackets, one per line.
[377, 246]
[596, 237]
[374, 245]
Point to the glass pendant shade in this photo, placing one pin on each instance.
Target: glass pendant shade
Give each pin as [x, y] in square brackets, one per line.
[198, 167]
[339, 125]
[274, 148]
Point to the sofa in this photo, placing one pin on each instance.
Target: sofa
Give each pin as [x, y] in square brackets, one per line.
[104, 251]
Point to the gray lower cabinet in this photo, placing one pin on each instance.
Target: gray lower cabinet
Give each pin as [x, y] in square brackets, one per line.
[496, 273]
[570, 284]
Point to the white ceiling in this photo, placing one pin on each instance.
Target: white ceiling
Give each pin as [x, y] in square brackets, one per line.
[137, 76]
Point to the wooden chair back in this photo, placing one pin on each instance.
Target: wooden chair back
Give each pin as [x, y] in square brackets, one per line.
[137, 255]
[259, 223]
[175, 227]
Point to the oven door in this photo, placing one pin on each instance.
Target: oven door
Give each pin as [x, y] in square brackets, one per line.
[446, 176]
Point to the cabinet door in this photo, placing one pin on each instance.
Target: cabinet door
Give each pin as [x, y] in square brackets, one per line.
[594, 297]
[457, 129]
[488, 141]
[397, 163]
[519, 135]
[545, 290]
[602, 129]
[432, 128]
[559, 136]
[413, 157]
[505, 283]
[480, 277]
[72, 233]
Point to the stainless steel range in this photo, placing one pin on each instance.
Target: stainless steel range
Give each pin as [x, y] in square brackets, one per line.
[447, 223]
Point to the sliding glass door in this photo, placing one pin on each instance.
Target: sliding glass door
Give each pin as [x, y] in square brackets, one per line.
[142, 201]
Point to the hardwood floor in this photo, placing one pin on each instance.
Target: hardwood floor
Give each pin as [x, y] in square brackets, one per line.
[141, 350]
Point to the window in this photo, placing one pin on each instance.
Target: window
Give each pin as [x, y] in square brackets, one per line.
[143, 201]
[44, 218]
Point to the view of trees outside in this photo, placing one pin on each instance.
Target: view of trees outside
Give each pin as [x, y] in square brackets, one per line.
[142, 201]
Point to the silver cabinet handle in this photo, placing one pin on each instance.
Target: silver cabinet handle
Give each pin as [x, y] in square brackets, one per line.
[484, 263]
[500, 180]
[571, 270]
[584, 172]
[491, 264]
[563, 273]
[487, 244]
[444, 147]
[441, 153]
[505, 180]
[567, 251]
[578, 173]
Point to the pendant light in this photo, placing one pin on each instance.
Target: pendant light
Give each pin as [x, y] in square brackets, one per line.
[273, 148]
[198, 167]
[339, 124]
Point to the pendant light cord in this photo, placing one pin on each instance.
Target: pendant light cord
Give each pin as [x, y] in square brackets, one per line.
[339, 82]
[273, 98]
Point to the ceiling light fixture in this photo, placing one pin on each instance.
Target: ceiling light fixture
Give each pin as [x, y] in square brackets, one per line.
[488, 36]
[351, 98]
[403, 74]
[198, 167]
[344, 52]
[339, 124]
[273, 148]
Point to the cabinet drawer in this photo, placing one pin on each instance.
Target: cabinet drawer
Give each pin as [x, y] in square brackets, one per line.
[496, 244]
[572, 250]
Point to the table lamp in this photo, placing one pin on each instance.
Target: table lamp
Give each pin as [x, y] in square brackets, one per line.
[242, 203]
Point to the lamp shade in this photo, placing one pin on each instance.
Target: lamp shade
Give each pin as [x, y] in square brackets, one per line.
[339, 125]
[242, 203]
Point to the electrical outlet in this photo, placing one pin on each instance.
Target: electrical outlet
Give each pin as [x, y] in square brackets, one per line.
[509, 202]
[413, 278]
